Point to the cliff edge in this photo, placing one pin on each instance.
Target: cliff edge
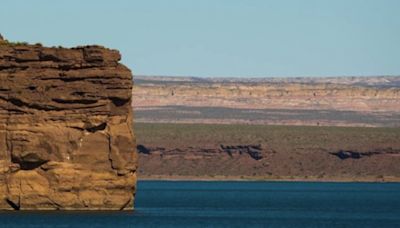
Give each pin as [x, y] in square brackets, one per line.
[66, 137]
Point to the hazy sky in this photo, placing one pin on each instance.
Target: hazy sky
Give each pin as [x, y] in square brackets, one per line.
[221, 37]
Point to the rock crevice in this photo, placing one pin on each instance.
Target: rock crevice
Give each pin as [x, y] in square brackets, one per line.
[66, 137]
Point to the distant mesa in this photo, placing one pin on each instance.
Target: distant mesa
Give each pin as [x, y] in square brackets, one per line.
[330, 101]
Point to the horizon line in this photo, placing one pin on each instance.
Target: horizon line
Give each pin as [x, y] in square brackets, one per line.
[269, 77]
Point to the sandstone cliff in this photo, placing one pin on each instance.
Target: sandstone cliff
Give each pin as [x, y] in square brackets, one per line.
[372, 102]
[267, 95]
[66, 137]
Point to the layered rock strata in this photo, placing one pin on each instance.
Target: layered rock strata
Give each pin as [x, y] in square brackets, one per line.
[66, 137]
[344, 101]
[267, 96]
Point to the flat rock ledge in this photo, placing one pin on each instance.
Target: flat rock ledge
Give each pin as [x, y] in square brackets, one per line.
[66, 136]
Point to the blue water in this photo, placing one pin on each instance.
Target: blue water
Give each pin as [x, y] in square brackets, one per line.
[238, 204]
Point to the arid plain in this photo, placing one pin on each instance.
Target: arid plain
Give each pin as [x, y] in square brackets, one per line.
[324, 129]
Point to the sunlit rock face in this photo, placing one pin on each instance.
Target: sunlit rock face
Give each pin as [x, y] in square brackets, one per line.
[66, 137]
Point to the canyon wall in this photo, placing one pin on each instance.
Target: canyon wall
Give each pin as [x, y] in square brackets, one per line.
[66, 137]
[346, 101]
[305, 96]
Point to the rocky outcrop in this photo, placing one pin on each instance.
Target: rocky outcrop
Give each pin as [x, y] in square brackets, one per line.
[346, 154]
[252, 151]
[66, 137]
[195, 151]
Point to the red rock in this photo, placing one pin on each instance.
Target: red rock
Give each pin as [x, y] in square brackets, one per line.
[66, 137]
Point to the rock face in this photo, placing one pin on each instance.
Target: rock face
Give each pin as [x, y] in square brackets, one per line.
[66, 137]
[266, 95]
[345, 101]
[253, 151]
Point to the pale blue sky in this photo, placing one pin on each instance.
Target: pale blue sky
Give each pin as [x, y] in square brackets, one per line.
[252, 38]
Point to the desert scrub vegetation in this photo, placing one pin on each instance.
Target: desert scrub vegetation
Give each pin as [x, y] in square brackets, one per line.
[286, 138]
[9, 43]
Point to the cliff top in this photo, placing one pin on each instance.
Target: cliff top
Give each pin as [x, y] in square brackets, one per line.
[24, 52]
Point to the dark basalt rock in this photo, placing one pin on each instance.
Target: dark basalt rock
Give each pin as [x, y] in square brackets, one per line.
[346, 154]
[255, 151]
[142, 149]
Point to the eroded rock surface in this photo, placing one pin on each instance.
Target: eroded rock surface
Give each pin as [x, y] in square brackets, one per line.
[342, 101]
[66, 137]
[253, 151]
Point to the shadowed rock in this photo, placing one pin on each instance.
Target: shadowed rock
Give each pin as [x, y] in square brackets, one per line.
[254, 151]
[346, 154]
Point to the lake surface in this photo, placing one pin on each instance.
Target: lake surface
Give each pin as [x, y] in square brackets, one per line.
[238, 204]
